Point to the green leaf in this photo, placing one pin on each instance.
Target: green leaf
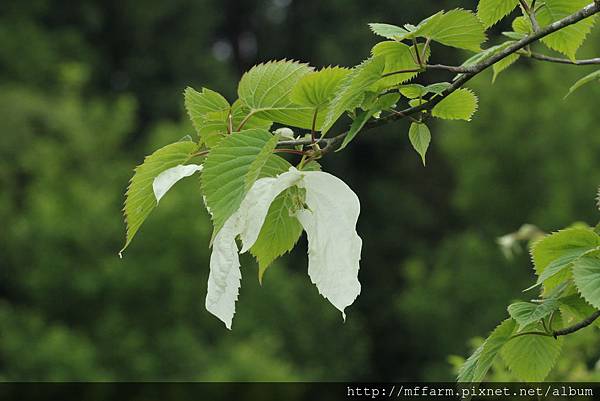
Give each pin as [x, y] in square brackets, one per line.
[571, 242]
[491, 347]
[531, 357]
[208, 111]
[570, 38]
[352, 88]
[514, 35]
[231, 168]
[398, 57]
[526, 313]
[438, 88]
[504, 64]
[492, 11]
[478, 364]
[594, 76]
[139, 198]
[265, 91]
[420, 137]
[384, 102]
[317, 89]
[389, 31]
[241, 114]
[457, 28]
[280, 231]
[459, 105]
[466, 373]
[485, 54]
[586, 274]
[412, 91]
[522, 25]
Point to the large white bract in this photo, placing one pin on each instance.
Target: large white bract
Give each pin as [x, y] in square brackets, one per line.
[329, 221]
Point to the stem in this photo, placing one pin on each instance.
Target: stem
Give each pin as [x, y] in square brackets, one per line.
[419, 61]
[466, 75]
[427, 42]
[531, 14]
[314, 123]
[201, 153]
[577, 326]
[559, 60]
[291, 151]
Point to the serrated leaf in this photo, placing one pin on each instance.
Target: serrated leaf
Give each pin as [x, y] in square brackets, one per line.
[317, 89]
[139, 198]
[459, 105]
[279, 233]
[398, 57]
[265, 91]
[420, 137]
[531, 357]
[491, 347]
[389, 31]
[437, 88]
[466, 373]
[570, 38]
[208, 111]
[412, 91]
[586, 274]
[594, 76]
[526, 313]
[352, 88]
[231, 168]
[569, 242]
[457, 28]
[522, 25]
[504, 64]
[492, 11]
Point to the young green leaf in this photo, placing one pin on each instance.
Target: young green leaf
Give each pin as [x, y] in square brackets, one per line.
[531, 357]
[352, 88]
[412, 91]
[140, 199]
[570, 38]
[280, 231]
[526, 313]
[586, 274]
[420, 137]
[594, 76]
[389, 31]
[265, 91]
[317, 89]
[208, 111]
[398, 57]
[466, 373]
[457, 28]
[522, 25]
[492, 11]
[231, 168]
[459, 105]
[574, 309]
[491, 347]
[550, 251]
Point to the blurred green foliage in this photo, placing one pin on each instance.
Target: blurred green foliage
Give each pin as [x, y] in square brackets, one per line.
[87, 89]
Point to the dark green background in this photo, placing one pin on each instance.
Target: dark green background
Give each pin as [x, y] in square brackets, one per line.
[88, 88]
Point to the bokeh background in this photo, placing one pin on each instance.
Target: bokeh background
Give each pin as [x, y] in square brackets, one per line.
[88, 88]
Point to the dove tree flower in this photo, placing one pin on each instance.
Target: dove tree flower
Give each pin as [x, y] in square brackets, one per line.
[285, 107]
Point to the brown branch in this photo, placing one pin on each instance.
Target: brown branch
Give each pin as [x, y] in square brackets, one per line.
[577, 326]
[466, 75]
[543, 57]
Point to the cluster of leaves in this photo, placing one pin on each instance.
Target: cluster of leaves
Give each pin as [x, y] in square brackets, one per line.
[567, 264]
[237, 144]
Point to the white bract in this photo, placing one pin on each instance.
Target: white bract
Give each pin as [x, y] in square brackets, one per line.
[330, 223]
[165, 180]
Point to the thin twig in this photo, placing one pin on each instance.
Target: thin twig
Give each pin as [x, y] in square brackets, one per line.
[466, 75]
[578, 326]
[543, 57]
